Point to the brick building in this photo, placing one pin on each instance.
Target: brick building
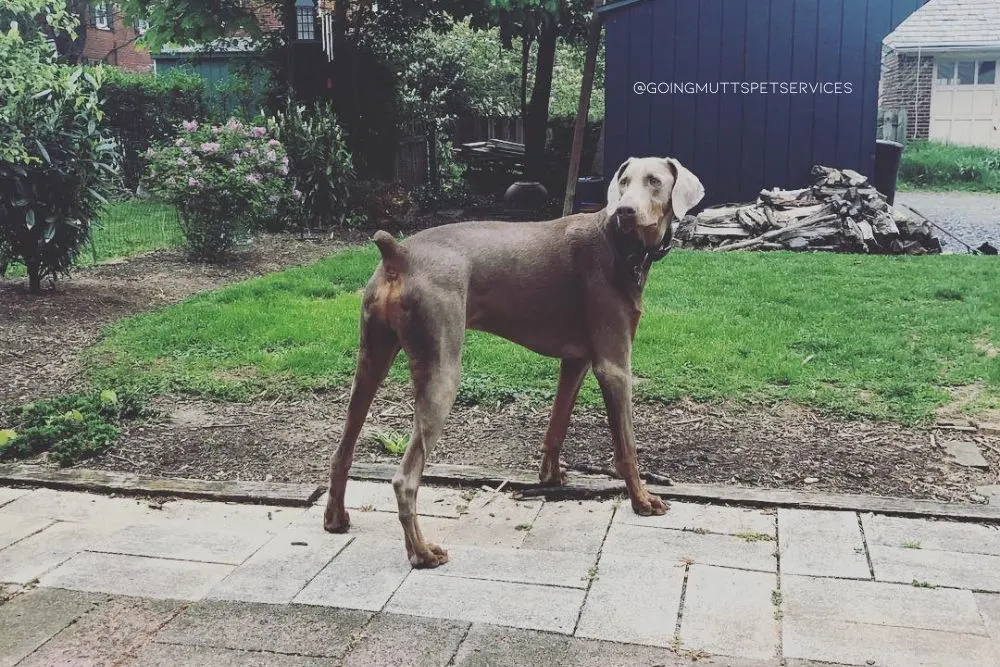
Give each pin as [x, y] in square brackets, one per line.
[108, 38]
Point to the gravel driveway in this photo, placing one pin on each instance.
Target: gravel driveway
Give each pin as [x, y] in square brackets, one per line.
[971, 216]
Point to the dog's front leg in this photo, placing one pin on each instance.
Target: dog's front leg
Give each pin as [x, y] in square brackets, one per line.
[615, 380]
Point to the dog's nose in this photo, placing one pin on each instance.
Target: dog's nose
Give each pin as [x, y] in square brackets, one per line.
[625, 212]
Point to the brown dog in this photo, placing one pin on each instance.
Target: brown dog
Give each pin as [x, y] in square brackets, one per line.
[569, 288]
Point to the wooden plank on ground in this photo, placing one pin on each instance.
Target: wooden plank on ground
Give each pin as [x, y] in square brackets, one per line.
[106, 481]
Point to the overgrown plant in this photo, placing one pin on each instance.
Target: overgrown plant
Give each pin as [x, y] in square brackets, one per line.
[56, 167]
[70, 428]
[224, 180]
[320, 164]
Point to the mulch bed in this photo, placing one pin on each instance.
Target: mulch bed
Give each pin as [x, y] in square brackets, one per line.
[781, 446]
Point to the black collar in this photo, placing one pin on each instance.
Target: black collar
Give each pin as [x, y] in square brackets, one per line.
[633, 255]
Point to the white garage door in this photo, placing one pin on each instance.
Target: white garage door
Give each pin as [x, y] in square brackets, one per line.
[965, 102]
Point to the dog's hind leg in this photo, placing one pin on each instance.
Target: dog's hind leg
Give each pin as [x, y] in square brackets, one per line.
[435, 351]
[379, 346]
[571, 374]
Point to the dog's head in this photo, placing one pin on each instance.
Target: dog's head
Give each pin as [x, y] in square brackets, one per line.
[647, 194]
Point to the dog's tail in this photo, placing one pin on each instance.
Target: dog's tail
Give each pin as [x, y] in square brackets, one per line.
[393, 255]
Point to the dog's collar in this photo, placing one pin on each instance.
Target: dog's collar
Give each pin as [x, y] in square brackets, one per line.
[635, 256]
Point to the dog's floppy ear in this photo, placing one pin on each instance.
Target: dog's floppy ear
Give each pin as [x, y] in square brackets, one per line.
[614, 192]
[687, 191]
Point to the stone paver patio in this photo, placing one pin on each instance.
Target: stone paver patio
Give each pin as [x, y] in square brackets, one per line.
[96, 580]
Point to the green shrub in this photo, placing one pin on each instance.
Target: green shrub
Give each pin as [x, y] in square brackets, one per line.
[141, 109]
[319, 162]
[55, 165]
[451, 189]
[70, 428]
[927, 164]
[224, 181]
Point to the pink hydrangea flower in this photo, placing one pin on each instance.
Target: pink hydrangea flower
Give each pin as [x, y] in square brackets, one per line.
[234, 125]
[283, 170]
[193, 182]
[210, 146]
[271, 156]
[296, 194]
[190, 126]
[179, 142]
[253, 179]
[258, 132]
[273, 143]
[181, 162]
[149, 152]
[186, 150]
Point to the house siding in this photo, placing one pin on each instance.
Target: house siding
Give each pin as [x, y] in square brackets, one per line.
[906, 84]
[116, 46]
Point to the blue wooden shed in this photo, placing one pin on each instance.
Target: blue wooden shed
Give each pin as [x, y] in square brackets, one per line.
[815, 63]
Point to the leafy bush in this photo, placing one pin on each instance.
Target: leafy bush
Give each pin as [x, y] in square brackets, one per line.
[70, 428]
[224, 181]
[927, 164]
[142, 108]
[55, 164]
[319, 161]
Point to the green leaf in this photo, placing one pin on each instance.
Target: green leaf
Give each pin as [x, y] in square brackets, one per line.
[45, 153]
[6, 435]
[109, 397]
[73, 416]
[29, 218]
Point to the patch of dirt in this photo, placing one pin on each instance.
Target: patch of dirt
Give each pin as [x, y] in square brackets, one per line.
[41, 335]
[963, 398]
[781, 447]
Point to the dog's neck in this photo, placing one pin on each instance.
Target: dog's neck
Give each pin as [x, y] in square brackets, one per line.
[633, 258]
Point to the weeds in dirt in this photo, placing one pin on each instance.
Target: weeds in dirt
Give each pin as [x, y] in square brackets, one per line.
[393, 442]
[923, 584]
[70, 428]
[911, 544]
[776, 603]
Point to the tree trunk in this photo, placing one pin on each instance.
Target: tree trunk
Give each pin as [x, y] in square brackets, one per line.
[582, 109]
[34, 277]
[537, 118]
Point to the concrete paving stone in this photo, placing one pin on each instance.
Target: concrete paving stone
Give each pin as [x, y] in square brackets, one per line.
[207, 541]
[33, 556]
[577, 526]
[379, 496]
[526, 566]
[274, 517]
[493, 646]
[676, 545]
[137, 576]
[282, 567]
[876, 603]
[8, 494]
[940, 568]
[966, 454]
[14, 527]
[893, 531]
[709, 518]
[843, 642]
[30, 620]
[822, 544]
[362, 576]
[503, 603]
[80, 507]
[633, 600]
[391, 640]
[174, 655]
[106, 634]
[502, 522]
[310, 631]
[730, 612]
[383, 526]
[989, 608]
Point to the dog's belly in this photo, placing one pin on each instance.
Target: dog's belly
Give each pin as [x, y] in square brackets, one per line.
[551, 335]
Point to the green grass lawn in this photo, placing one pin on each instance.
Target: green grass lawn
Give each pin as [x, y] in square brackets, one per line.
[928, 165]
[874, 336]
[126, 228]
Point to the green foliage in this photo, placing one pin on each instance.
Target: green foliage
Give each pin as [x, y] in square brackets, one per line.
[392, 442]
[70, 428]
[55, 165]
[141, 109]
[186, 22]
[936, 166]
[451, 189]
[319, 162]
[223, 180]
[735, 331]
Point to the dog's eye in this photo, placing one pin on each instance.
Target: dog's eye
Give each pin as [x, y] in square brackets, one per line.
[654, 181]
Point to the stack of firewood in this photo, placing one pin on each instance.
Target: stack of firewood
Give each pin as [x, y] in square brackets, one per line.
[840, 212]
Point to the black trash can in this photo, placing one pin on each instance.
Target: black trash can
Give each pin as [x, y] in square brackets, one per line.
[887, 157]
[590, 195]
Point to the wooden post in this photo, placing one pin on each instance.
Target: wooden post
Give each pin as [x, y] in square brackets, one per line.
[583, 108]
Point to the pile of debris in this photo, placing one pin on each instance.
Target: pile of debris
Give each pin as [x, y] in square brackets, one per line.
[840, 212]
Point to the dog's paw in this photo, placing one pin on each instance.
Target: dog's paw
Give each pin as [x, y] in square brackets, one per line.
[650, 505]
[431, 558]
[553, 474]
[336, 521]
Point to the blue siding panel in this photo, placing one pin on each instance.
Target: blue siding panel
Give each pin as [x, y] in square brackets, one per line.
[739, 144]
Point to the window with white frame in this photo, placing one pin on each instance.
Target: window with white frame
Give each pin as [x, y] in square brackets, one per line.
[966, 72]
[305, 19]
[140, 26]
[101, 16]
